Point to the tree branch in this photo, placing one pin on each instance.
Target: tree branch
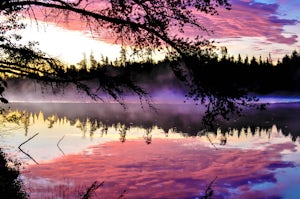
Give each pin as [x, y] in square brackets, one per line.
[59, 146]
[24, 151]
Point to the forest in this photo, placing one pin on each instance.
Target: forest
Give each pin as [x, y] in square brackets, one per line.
[222, 73]
[223, 83]
[257, 75]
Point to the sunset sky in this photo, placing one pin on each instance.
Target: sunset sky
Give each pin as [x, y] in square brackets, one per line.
[251, 28]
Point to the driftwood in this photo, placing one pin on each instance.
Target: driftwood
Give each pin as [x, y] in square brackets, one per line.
[24, 151]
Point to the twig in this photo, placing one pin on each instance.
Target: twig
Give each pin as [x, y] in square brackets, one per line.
[122, 194]
[211, 142]
[25, 152]
[91, 189]
[59, 146]
[209, 191]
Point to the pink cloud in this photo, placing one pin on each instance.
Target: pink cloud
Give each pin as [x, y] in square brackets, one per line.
[163, 169]
[246, 19]
[249, 19]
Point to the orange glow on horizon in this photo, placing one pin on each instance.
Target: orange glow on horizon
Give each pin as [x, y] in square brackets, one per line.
[250, 29]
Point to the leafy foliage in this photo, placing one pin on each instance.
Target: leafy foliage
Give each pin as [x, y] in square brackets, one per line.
[214, 84]
[138, 23]
[141, 24]
[224, 82]
[3, 85]
[10, 183]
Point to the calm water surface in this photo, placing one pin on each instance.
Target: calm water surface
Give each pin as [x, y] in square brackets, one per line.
[143, 153]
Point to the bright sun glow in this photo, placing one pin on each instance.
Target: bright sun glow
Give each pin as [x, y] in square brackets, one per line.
[68, 45]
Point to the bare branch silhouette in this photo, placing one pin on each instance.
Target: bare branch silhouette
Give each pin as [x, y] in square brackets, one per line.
[59, 146]
[211, 142]
[90, 190]
[209, 191]
[24, 151]
[122, 196]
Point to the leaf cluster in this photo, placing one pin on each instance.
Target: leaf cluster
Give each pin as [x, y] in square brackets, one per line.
[10, 184]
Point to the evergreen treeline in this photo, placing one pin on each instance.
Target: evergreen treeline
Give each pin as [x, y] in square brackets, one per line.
[221, 73]
[224, 75]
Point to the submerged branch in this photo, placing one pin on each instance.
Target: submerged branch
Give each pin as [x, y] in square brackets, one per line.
[24, 151]
[209, 191]
[211, 142]
[122, 194]
[91, 189]
[59, 146]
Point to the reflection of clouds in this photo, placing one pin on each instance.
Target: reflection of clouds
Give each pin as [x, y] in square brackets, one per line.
[172, 121]
[167, 168]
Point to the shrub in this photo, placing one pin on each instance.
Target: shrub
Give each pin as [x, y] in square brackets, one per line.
[11, 186]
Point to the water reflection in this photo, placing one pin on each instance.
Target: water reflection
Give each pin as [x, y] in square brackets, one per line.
[168, 169]
[107, 125]
[150, 155]
[93, 127]
[148, 136]
[181, 118]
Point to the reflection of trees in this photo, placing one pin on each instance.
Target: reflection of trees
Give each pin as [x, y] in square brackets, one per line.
[103, 130]
[148, 136]
[26, 121]
[137, 24]
[143, 25]
[122, 134]
[51, 120]
[243, 132]
[223, 140]
[11, 120]
[92, 126]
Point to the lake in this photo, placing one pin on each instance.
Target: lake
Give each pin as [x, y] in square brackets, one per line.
[144, 153]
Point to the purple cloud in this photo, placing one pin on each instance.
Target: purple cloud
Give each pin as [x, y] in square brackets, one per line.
[251, 19]
[164, 169]
[276, 20]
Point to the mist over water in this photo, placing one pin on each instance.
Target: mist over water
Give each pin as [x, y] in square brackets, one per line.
[186, 116]
[161, 85]
[74, 149]
[152, 152]
[29, 91]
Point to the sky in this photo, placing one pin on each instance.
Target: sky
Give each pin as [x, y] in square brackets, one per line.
[250, 28]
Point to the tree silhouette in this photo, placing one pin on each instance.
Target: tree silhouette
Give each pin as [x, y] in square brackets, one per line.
[10, 184]
[140, 24]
